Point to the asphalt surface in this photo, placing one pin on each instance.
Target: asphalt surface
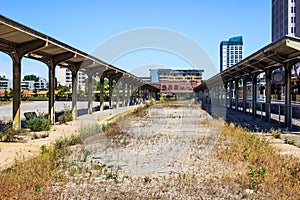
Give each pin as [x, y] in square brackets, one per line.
[42, 107]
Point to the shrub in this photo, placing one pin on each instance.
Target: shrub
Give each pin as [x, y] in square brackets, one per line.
[257, 175]
[88, 130]
[276, 134]
[66, 117]
[39, 124]
[67, 141]
[105, 127]
[8, 134]
[262, 167]
[290, 142]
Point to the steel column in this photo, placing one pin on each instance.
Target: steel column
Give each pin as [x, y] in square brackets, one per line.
[288, 99]
[244, 94]
[90, 94]
[101, 93]
[254, 94]
[236, 89]
[268, 94]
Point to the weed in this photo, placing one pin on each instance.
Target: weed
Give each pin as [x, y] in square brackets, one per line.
[139, 112]
[147, 179]
[105, 127]
[66, 117]
[276, 133]
[67, 141]
[8, 134]
[88, 130]
[85, 154]
[29, 179]
[290, 142]
[37, 188]
[44, 149]
[257, 175]
[39, 124]
[261, 166]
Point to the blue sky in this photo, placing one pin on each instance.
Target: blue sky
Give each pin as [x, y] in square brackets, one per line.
[87, 24]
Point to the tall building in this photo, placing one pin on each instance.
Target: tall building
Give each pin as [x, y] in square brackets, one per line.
[64, 78]
[285, 18]
[231, 52]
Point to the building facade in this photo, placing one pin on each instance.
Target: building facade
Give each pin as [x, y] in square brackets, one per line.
[184, 75]
[64, 78]
[231, 52]
[25, 85]
[176, 83]
[285, 18]
[5, 84]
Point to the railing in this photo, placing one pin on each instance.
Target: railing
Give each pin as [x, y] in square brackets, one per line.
[269, 111]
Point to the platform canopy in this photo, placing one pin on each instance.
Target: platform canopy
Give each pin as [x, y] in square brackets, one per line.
[277, 54]
[14, 35]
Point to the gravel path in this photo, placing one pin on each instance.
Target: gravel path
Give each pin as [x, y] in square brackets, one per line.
[159, 143]
[165, 155]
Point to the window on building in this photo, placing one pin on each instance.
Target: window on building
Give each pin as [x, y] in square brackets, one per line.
[175, 87]
[163, 87]
[170, 87]
[293, 19]
[293, 29]
[293, 9]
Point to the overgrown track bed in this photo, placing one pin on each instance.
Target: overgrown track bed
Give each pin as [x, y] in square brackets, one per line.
[169, 151]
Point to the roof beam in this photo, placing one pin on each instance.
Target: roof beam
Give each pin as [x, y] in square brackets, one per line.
[275, 57]
[5, 49]
[27, 47]
[258, 64]
[7, 43]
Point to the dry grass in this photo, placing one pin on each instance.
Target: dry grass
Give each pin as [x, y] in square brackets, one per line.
[32, 178]
[116, 135]
[27, 180]
[241, 161]
[259, 166]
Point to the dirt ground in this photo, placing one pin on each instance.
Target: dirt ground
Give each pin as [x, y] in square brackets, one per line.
[166, 154]
[11, 151]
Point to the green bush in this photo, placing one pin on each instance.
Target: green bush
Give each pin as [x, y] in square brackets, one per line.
[66, 117]
[290, 142]
[257, 175]
[67, 141]
[39, 124]
[276, 134]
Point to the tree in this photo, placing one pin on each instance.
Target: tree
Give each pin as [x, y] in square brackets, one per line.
[3, 78]
[7, 95]
[35, 92]
[95, 84]
[62, 90]
[31, 77]
[80, 92]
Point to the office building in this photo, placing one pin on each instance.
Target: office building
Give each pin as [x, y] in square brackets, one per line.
[285, 18]
[64, 78]
[5, 84]
[231, 52]
[177, 83]
[184, 75]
